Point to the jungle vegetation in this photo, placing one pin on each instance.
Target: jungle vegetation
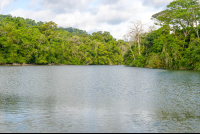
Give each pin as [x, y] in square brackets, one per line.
[174, 45]
[25, 41]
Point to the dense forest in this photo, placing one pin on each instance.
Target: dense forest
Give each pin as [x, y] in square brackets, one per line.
[174, 45]
[25, 41]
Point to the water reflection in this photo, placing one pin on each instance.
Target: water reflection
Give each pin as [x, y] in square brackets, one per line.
[179, 100]
[98, 99]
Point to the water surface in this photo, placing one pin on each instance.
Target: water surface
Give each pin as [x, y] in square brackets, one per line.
[98, 99]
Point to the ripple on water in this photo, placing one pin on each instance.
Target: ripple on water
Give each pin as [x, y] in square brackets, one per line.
[98, 99]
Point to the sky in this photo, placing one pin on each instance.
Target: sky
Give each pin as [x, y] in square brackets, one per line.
[114, 16]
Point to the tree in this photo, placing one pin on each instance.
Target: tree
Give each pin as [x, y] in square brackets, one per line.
[181, 13]
[136, 32]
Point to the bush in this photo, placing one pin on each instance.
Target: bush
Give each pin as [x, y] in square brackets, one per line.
[197, 66]
[154, 61]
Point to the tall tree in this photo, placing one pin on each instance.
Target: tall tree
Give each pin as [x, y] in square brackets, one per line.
[136, 32]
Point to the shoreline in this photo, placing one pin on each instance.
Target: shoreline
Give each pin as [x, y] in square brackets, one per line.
[17, 64]
[53, 64]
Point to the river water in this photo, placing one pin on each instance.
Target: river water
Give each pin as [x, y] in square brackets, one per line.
[98, 99]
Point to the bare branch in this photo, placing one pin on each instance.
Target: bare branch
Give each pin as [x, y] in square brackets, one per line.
[136, 31]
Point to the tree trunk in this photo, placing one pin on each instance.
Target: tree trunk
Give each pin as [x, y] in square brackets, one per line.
[139, 44]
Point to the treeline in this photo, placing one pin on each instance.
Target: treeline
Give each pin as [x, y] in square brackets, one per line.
[175, 45]
[28, 42]
[73, 31]
[30, 22]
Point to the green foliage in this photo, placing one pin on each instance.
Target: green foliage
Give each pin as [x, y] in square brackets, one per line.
[176, 44]
[139, 62]
[73, 31]
[154, 61]
[25, 41]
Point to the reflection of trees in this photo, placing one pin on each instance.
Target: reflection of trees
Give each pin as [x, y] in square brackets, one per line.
[177, 122]
[177, 101]
[18, 111]
[7, 100]
[177, 116]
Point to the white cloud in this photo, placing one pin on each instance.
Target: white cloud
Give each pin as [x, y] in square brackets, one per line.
[3, 4]
[157, 3]
[62, 6]
[113, 16]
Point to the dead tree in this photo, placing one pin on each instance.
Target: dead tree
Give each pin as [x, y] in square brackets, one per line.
[136, 31]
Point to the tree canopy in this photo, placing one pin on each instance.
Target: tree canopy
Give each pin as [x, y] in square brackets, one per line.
[175, 45]
[25, 41]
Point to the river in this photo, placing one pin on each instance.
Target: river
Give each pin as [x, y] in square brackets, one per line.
[98, 99]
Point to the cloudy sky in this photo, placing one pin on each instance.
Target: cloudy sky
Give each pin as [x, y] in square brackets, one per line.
[113, 16]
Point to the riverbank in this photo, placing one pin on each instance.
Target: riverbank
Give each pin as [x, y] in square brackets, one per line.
[17, 64]
[53, 64]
